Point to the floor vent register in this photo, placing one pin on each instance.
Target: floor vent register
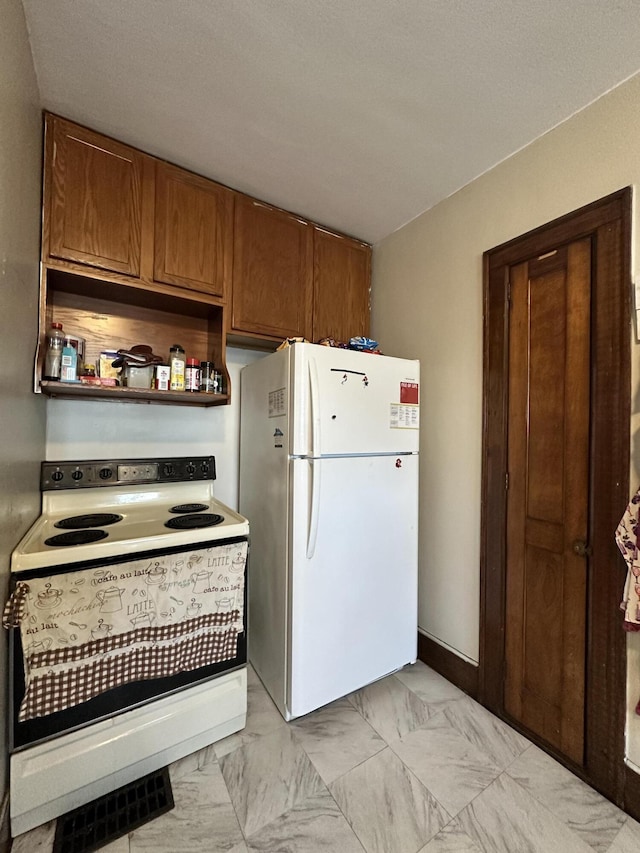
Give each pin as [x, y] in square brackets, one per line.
[103, 820]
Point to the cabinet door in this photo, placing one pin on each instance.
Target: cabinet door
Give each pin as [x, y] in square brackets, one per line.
[341, 282]
[95, 199]
[272, 271]
[193, 224]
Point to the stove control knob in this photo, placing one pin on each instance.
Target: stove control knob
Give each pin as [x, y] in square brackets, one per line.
[77, 475]
[105, 473]
[167, 469]
[57, 476]
[191, 468]
[205, 467]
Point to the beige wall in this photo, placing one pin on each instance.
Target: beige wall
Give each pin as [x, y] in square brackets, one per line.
[21, 412]
[427, 303]
[106, 430]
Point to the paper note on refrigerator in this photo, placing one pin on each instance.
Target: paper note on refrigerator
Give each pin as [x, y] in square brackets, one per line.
[404, 416]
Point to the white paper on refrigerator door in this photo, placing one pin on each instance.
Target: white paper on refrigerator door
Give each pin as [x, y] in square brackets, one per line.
[277, 403]
[404, 416]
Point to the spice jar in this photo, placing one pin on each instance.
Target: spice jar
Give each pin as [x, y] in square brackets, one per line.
[163, 377]
[177, 366]
[192, 375]
[206, 377]
[88, 375]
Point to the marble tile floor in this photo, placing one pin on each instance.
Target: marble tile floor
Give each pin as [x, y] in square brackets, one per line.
[406, 765]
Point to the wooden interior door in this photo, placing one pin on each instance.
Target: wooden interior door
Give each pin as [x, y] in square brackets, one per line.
[606, 224]
[548, 495]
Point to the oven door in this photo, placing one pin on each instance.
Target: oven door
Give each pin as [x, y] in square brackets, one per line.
[104, 637]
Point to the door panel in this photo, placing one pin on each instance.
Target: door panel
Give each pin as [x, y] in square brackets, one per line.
[341, 284]
[547, 501]
[96, 199]
[272, 271]
[547, 365]
[353, 589]
[193, 228]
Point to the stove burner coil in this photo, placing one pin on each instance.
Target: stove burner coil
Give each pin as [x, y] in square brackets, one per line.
[191, 522]
[77, 537]
[96, 519]
[189, 508]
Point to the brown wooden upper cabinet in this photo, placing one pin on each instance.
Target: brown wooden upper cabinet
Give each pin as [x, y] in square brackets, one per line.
[114, 214]
[95, 187]
[193, 231]
[272, 271]
[341, 281]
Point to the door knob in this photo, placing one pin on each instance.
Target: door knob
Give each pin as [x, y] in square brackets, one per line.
[581, 548]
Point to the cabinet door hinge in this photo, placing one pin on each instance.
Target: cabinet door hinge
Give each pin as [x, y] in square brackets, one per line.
[506, 481]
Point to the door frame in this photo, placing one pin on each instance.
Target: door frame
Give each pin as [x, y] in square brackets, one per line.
[608, 223]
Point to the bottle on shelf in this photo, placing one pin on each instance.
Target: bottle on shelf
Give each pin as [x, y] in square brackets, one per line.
[192, 375]
[53, 357]
[177, 366]
[69, 364]
[206, 377]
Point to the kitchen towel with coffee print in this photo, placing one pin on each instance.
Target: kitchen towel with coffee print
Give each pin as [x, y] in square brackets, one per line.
[627, 535]
[86, 632]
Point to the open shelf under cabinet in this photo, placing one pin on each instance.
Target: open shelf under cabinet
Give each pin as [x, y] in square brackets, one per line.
[110, 316]
[71, 390]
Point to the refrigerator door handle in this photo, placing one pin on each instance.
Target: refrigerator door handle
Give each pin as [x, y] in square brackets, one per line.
[315, 407]
[314, 511]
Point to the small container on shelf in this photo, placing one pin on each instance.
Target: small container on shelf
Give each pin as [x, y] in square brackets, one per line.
[88, 375]
[78, 344]
[163, 377]
[137, 366]
[192, 375]
[177, 365]
[206, 377]
[69, 361]
[53, 358]
[137, 376]
[105, 369]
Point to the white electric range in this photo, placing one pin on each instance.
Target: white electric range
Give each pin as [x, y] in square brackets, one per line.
[157, 522]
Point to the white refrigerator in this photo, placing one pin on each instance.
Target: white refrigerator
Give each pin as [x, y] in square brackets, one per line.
[329, 483]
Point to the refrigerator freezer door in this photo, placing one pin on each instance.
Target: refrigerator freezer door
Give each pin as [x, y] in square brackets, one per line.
[347, 402]
[352, 575]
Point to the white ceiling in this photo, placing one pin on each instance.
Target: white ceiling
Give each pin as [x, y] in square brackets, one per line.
[359, 114]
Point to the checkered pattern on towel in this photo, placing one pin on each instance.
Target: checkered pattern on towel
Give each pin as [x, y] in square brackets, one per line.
[131, 638]
[54, 691]
[15, 607]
